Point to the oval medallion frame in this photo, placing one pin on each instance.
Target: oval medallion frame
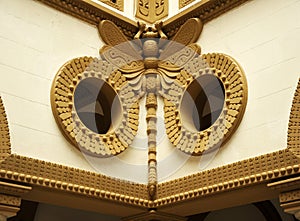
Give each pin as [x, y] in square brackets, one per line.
[64, 85]
[229, 72]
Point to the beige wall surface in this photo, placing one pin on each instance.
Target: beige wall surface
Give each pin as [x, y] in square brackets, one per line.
[35, 41]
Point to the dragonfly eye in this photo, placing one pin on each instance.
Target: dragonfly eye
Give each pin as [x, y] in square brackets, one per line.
[97, 105]
[202, 103]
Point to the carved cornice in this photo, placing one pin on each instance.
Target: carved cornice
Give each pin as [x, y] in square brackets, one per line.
[4, 134]
[93, 13]
[244, 173]
[241, 174]
[44, 174]
[205, 10]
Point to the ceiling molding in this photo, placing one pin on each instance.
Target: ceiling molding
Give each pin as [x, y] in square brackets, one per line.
[206, 10]
[93, 13]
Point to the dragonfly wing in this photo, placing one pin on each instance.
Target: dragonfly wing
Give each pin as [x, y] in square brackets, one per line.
[187, 34]
[123, 61]
[110, 33]
[178, 60]
[113, 36]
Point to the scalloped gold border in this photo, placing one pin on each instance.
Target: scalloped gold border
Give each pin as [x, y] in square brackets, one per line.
[62, 102]
[228, 71]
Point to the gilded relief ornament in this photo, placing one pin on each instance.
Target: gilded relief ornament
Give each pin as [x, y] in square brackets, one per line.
[151, 10]
[153, 66]
[96, 101]
[155, 63]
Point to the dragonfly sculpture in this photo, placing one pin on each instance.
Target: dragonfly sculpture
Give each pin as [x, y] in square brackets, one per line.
[148, 66]
[155, 62]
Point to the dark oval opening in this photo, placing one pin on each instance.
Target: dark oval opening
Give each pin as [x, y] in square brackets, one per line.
[202, 102]
[97, 105]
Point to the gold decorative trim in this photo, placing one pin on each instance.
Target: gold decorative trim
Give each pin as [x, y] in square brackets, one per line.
[54, 176]
[117, 4]
[93, 13]
[289, 189]
[231, 75]
[63, 106]
[294, 124]
[247, 173]
[256, 170]
[205, 10]
[183, 3]
[261, 169]
[4, 134]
